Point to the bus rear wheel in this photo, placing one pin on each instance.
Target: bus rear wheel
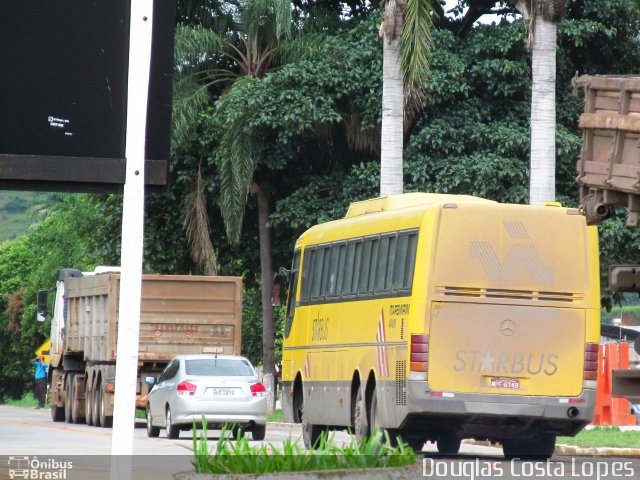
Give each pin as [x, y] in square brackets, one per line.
[449, 444]
[540, 447]
[310, 432]
[361, 425]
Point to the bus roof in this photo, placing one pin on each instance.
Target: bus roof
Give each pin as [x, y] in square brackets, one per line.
[408, 200]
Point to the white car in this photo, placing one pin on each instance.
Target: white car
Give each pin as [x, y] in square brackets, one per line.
[222, 389]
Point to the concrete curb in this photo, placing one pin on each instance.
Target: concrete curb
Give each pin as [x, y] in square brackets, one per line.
[572, 450]
[387, 473]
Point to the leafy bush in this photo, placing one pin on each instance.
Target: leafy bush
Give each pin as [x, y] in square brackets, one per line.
[237, 456]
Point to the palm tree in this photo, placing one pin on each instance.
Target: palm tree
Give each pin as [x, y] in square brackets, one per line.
[212, 60]
[407, 47]
[543, 16]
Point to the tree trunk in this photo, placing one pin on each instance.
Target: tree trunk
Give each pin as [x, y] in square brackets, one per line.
[543, 113]
[268, 343]
[391, 181]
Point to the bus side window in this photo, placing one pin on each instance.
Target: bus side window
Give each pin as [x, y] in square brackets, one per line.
[365, 266]
[293, 288]
[307, 272]
[411, 261]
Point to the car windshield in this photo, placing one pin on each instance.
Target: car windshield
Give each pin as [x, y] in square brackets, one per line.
[221, 367]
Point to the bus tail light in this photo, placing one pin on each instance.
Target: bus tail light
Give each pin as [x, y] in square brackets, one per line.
[419, 357]
[591, 361]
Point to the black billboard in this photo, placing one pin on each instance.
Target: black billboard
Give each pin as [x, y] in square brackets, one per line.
[63, 94]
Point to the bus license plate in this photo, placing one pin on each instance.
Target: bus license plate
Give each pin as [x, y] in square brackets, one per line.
[222, 392]
[505, 383]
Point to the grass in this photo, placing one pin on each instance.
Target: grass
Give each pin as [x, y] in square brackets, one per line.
[27, 401]
[603, 437]
[275, 416]
[231, 456]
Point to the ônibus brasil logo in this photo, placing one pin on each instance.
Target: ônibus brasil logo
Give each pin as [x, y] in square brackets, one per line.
[34, 469]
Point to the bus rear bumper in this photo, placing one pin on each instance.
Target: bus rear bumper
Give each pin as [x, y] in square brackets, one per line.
[495, 416]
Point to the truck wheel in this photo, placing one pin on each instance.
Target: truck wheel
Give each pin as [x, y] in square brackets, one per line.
[75, 403]
[258, 432]
[57, 413]
[172, 430]
[152, 431]
[68, 399]
[105, 420]
[95, 403]
[88, 399]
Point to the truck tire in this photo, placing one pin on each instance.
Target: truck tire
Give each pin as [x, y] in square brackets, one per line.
[95, 400]
[106, 421]
[68, 399]
[88, 398]
[75, 402]
[57, 413]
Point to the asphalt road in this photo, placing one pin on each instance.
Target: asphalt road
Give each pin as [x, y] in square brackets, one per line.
[82, 452]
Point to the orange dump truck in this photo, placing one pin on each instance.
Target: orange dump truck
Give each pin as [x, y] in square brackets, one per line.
[179, 314]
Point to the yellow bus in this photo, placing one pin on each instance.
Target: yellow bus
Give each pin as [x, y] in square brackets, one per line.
[443, 317]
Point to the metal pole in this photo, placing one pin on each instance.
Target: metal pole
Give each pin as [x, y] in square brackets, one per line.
[132, 240]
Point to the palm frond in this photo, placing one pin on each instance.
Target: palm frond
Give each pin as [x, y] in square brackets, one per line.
[237, 159]
[416, 48]
[305, 47]
[195, 45]
[190, 97]
[196, 225]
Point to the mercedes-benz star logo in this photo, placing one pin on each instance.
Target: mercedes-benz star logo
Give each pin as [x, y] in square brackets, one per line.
[507, 327]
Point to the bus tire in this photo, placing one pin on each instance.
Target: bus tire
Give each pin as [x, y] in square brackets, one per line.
[449, 444]
[540, 447]
[393, 435]
[361, 425]
[310, 432]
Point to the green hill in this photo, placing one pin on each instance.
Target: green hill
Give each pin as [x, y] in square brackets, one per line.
[15, 216]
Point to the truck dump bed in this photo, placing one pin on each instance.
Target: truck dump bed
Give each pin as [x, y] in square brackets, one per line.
[179, 314]
[609, 164]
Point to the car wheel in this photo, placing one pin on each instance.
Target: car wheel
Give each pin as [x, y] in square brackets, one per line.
[172, 430]
[258, 432]
[152, 431]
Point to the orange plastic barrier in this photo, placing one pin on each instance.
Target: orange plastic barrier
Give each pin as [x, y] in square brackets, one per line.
[609, 410]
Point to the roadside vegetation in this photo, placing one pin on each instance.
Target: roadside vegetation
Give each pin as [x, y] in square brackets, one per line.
[603, 437]
[234, 456]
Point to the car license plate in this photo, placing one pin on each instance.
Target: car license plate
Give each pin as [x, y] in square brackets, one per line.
[505, 383]
[222, 392]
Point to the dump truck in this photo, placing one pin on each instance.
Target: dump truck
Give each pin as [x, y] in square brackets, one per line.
[179, 314]
[609, 176]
